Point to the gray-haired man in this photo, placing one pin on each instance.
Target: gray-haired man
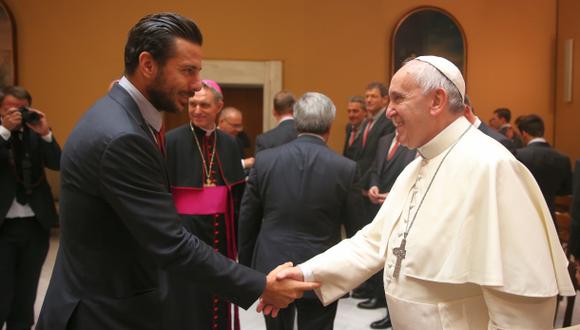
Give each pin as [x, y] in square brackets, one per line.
[297, 196]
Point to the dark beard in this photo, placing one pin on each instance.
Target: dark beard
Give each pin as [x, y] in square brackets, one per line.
[160, 98]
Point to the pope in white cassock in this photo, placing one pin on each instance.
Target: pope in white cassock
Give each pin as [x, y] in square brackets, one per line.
[465, 236]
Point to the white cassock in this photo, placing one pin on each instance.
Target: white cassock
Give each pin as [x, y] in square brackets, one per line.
[482, 253]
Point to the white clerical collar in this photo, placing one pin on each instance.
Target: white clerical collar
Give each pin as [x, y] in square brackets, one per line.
[477, 122]
[151, 115]
[444, 139]
[506, 125]
[208, 132]
[537, 140]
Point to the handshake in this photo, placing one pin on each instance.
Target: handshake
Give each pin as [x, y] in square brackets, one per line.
[284, 284]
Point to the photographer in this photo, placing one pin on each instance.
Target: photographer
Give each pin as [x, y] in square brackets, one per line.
[27, 209]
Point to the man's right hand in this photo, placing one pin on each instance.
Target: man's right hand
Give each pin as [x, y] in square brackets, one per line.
[374, 194]
[282, 290]
[12, 119]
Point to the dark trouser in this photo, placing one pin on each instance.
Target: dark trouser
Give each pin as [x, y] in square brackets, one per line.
[23, 248]
[378, 285]
[311, 316]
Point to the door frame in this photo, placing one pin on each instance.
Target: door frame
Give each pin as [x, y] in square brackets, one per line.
[265, 74]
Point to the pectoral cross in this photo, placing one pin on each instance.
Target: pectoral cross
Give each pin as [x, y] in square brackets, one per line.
[208, 183]
[400, 253]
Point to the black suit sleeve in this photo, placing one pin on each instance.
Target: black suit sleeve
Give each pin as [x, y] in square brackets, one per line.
[574, 243]
[133, 181]
[259, 143]
[250, 219]
[566, 187]
[50, 153]
[352, 219]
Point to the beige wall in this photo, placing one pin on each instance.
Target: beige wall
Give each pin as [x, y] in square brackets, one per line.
[69, 51]
[567, 121]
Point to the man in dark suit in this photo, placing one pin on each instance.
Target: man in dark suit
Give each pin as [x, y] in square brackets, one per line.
[550, 168]
[501, 122]
[390, 160]
[230, 121]
[119, 226]
[286, 129]
[296, 198]
[357, 113]
[475, 121]
[27, 210]
[376, 126]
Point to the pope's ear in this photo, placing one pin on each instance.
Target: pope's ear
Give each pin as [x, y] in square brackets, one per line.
[439, 101]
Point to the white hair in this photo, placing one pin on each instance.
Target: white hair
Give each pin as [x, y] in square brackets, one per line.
[314, 113]
[429, 79]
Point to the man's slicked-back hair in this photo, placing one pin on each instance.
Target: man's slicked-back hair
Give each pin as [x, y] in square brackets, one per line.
[16, 91]
[156, 35]
[380, 86]
[314, 113]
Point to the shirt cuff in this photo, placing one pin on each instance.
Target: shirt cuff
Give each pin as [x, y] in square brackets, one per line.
[243, 164]
[47, 137]
[306, 272]
[5, 133]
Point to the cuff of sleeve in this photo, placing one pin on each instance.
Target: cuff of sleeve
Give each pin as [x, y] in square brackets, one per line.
[47, 137]
[243, 164]
[5, 133]
[306, 272]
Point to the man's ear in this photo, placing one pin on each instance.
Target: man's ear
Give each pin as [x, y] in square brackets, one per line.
[438, 101]
[220, 105]
[148, 67]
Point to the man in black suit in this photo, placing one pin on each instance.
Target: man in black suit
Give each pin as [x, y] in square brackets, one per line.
[390, 160]
[27, 210]
[230, 121]
[376, 126]
[500, 121]
[296, 198]
[475, 121]
[357, 113]
[550, 168]
[286, 129]
[119, 226]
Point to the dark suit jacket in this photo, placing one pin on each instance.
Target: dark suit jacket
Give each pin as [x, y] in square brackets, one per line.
[296, 198]
[119, 227]
[283, 133]
[574, 244]
[42, 155]
[352, 151]
[550, 168]
[384, 173]
[366, 156]
[497, 136]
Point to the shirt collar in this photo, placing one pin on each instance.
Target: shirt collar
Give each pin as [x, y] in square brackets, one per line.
[151, 115]
[477, 122]
[285, 118]
[379, 114]
[444, 139]
[207, 132]
[537, 140]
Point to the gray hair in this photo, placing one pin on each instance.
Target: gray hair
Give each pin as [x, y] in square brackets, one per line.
[358, 99]
[314, 113]
[226, 112]
[429, 79]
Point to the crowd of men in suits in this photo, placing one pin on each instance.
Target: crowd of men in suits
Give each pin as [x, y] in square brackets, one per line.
[169, 217]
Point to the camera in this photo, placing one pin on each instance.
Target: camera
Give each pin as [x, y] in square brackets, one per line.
[29, 116]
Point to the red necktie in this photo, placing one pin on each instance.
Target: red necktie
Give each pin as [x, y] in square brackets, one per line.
[352, 135]
[393, 150]
[160, 139]
[366, 132]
